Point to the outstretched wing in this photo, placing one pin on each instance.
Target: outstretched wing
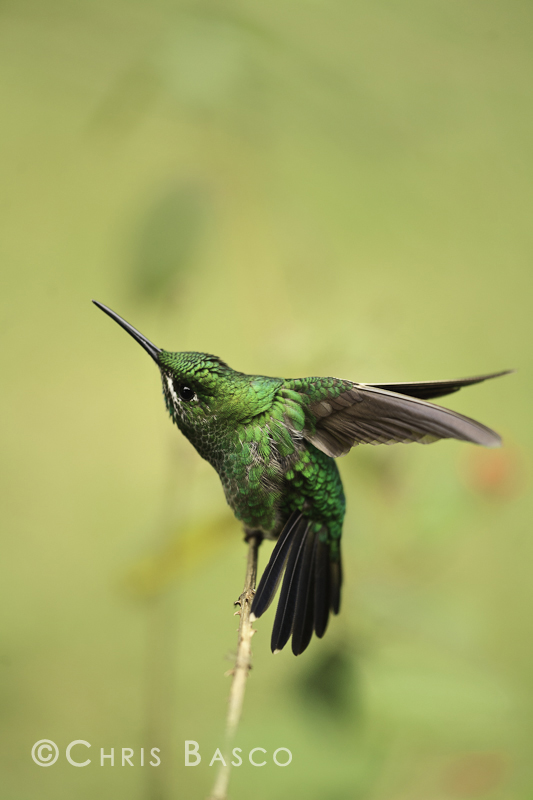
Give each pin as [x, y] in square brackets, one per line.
[428, 389]
[341, 414]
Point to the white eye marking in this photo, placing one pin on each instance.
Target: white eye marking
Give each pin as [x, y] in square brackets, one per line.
[173, 394]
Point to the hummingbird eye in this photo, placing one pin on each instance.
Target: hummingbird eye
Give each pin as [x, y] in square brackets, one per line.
[185, 392]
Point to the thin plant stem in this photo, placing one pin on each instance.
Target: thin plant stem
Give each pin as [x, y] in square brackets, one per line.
[243, 665]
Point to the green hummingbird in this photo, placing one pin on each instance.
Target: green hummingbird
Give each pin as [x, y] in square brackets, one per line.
[274, 441]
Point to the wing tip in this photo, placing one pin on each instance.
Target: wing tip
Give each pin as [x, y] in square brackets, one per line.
[485, 437]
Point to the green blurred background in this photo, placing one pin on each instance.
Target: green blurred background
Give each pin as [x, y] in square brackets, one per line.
[332, 188]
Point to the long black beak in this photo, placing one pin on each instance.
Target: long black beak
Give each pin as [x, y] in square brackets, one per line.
[150, 348]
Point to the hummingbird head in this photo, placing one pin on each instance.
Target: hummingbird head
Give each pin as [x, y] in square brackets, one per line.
[199, 389]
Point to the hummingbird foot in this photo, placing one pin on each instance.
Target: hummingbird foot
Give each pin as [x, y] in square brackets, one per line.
[248, 533]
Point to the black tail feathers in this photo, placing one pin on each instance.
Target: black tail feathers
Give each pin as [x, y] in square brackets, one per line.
[311, 586]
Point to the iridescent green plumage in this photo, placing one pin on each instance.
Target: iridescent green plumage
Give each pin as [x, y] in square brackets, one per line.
[273, 442]
[249, 428]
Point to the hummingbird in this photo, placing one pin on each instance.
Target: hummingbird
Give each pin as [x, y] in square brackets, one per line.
[273, 443]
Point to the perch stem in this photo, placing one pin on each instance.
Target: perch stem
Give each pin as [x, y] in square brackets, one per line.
[243, 665]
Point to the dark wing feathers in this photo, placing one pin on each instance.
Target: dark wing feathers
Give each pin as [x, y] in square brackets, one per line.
[310, 589]
[272, 575]
[302, 627]
[429, 389]
[286, 609]
[335, 583]
[322, 589]
[372, 415]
